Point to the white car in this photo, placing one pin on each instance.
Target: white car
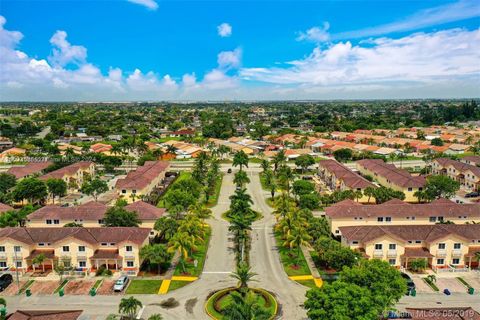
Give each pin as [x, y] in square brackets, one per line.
[120, 284]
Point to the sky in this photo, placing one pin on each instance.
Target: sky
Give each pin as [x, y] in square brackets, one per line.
[152, 50]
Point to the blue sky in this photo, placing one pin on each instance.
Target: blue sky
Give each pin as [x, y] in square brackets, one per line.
[217, 50]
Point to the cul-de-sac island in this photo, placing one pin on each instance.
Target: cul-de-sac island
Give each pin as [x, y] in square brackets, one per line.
[239, 160]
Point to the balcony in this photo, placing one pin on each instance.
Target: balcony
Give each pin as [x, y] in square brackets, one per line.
[392, 253]
[3, 255]
[378, 253]
[441, 253]
[129, 254]
[80, 254]
[457, 253]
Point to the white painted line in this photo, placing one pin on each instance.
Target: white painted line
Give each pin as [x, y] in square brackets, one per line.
[217, 272]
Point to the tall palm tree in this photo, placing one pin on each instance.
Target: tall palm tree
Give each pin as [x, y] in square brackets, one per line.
[241, 178]
[244, 275]
[198, 209]
[166, 227]
[278, 160]
[240, 159]
[297, 238]
[270, 182]
[129, 306]
[182, 243]
[369, 192]
[285, 177]
[265, 165]
[245, 308]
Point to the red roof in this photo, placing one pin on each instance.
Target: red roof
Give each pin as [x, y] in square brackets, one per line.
[4, 208]
[28, 169]
[395, 175]
[142, 176]
[341, 172]
[70, 170]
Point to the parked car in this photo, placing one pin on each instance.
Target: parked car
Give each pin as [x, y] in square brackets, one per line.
[120, 284]
[410, 283]
[5, 281]
[473, 194]
[229, 170]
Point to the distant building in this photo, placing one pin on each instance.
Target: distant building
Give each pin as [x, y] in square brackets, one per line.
[74, 174]
[467, 175]
[29, 169]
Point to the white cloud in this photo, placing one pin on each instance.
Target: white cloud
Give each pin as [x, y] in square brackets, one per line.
[149, 4]
[315, 34]
[224, 30]
[418, 58]
[64, 53]
[230, 59]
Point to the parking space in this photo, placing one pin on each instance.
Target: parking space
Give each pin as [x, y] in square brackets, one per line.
[44, 287]
[107, 288]
[474, 282]
[421, 286]
[12, 289]
[79, 287]
[452, 284]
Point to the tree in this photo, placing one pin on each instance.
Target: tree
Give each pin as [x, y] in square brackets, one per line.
[297, 238]
[304, 161]
[383, 194]
[182, 243]
[155, 316]
[73, 225]
[56, 188]
[309, 201]
[285, 177]
[341, 301]
[7, 182]
[118, 216]
[94, 187]
[265, 164]
[244, 275]
[241, 178]
[221, 127]
[302, 187]
[270, 182]
[32, 189]
[440, 187]
[129, 306]
[318, 227]
[240, 159]
[331, 254]
[155, 254]
[417, 265]
[200, 210]
[166, 227]
[369, 192]
[245, 308]
[40, 259]
[436, 142]
[278, 160]
[343, 155]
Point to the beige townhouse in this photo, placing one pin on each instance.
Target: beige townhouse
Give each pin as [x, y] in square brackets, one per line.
[443, 246]
[392, 177]
[467, 175]
[397, 212]
[74, 175]
[83, 249]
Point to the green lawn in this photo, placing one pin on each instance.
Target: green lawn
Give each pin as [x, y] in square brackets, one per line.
[289, 259]
[26, 286]
[177, 284]
[258, 215]
[199, 255]
[97, 284]
[213, 200]
[144, 287]
[307, 283]
[182, 176]
[64, 282]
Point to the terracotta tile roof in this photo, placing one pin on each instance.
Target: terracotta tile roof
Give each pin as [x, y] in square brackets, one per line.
[417, 252]
[142, 176]
[472, 251]
[341, 172]
[426, 233]
[475, 159]
[28, 169]
[88, 235]
[70, 170]
[395, 175]
[106, 254]
[399, 209]
[4, 208]
[460, 166]
[45, 315]
[145, 210]
[89, 211]
[461, 313]
[49, 254]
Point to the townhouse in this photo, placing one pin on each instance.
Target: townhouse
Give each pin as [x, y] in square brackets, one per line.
[74, 175]
[443, 246]
[30, 169]
[466, 174]
[83, 249]
[338, 177]
[142, 181]
[397, 212]
[473, 160]
[392, 177]
[90, 214]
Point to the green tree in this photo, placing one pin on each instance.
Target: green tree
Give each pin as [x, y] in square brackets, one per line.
[245, 308]
[7, 182]
[32, 189]
[244, 275]
[278, 160]
[129, 306]
[56, 188]
[155, 254]
[94, 187]
[440, 186]
[240, 159]
[265, 164]
[241, 178]
[184, 244]
[73, 225]
[436, 142]
[118, 216]
[39, 260]
[309, 201]
[166, 227]
[343, 155]
[302, 187]
[418, 265]
[297, 238]
[304, 161]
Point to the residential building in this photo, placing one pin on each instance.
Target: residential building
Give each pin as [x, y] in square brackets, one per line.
[73, 175]
[29, 169]
[142, 181]
[466, 174]
[5, 143]
[4, 208]
[392, 177]
[85, 249]
[473, 160]
[90, 214]
[14, 152]
[444, 246]
[397, 212]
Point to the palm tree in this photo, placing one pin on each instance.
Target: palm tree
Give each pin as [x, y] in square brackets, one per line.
[166, 227]
[245, 308]
[392, 156]
[155, 316]
[241, 178]
[129, 306]
[240, 159]
[283, 205]
[198, 209]
[171, 149]
[244, 275]
[184, 244]
[270, 182]
[265, 165]
[297, 238]
[358, 195]
[369, 192]
[285, 176]
[222, 150]
[278, 160]
[155, 254]
[40, 259]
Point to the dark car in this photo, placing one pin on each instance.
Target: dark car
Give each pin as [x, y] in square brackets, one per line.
[229, 170]
[410, 283]
[472, 194]
[5, 281]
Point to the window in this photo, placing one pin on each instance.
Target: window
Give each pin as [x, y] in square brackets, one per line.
[56, 221]
[388, 219]
[17, 248]
[392, 261]
[378, 246]
[112, 243]
[49, 221]
[3, 264]
[432, 219]
[82, 264]
[66, 249]
[2, 248]
[128, 248]
[81, 248]
[354, 242]
[441, 261]
[124, 191]
[413, 218]
[457, 245]
[100, 221]
[337, 231]
[134, 191]
[440, 219]
[129, 263]
[418, 241]
[41, 244]
[410, 189]
[455, 261]
[18, 264]
[104, 244]
[380, 219]
[441, 246]
[392, 246]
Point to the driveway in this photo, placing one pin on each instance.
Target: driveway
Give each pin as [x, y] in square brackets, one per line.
[12, 289]
[474, 281]
[106, 288]
[44, 287]
[420, 285]
[451, 284]
[78, 287]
